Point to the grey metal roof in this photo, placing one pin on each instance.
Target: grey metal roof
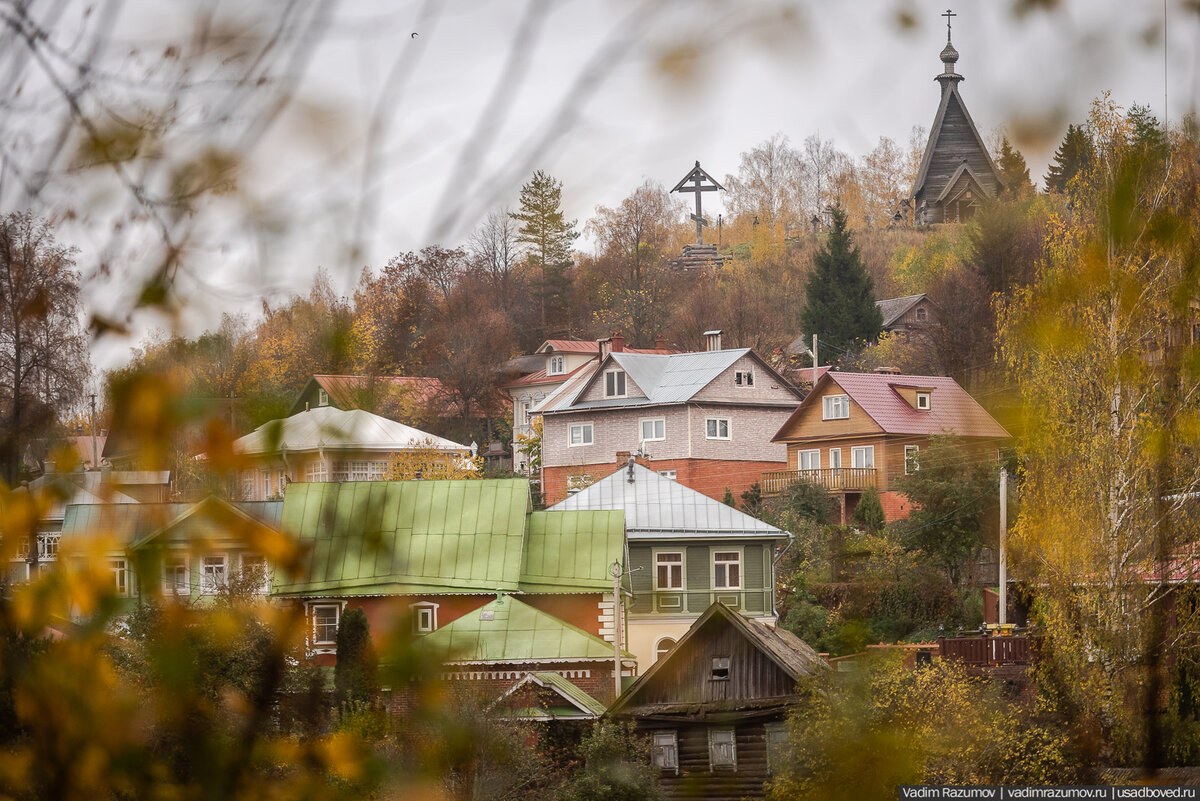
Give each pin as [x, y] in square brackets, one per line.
[676, 378]
[657, 508]
[892, 309]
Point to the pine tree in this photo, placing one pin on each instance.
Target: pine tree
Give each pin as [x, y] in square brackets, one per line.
[1072, 157]
[840, 306]
[1014, 173]
[354, 675]
[547, 236]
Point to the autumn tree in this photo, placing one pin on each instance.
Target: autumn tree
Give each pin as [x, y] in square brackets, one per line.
[884, 181]
[43, 355]
[496, 251]
[768, 185]
[840, 306]
[547, 237]
[392, 320]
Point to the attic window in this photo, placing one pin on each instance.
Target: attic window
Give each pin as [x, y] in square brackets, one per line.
[835, 407]
[614, 384]
[557, 365]
[744, 378]
[922, 314]
[720, 668]
[924, 401]
[322, 397]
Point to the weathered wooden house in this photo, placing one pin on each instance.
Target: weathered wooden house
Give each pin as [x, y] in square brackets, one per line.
[909, 317]
[957, 173]
[715, 707]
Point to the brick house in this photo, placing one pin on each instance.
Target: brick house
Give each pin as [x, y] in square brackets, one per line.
[859, 430]
[705, 419]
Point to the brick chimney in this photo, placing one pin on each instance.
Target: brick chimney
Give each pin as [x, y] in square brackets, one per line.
[887, 370]
[618, 342]
[712, 339]
[660, 342]
[605, 346]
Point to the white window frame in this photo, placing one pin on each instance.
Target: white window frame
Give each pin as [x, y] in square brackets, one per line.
[207, 587]
[556, 365]
[912, 454]
[424, 617]
[671, 474]
[868, 451]
[661, 649]
[813, 457]
[835, 458]
[927, 397]
[170, 565]
[725, 583]
[624, 382]
[657, 424]
[119, 569]
[680, 564]
[718, 421]
[322, 397]
[247, 560]
[316, 471]
[247, 485]
[715, 758]
[664, 752]
[587, 428]
[526, 407]
[835, 407]
[743, 378]
[337, 622]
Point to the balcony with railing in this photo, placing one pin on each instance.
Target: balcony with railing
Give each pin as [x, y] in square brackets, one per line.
[834, 479]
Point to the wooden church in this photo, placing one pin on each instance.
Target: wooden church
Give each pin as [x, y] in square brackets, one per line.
[957, 173]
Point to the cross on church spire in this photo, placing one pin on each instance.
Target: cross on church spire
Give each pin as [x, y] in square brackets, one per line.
[948, 15]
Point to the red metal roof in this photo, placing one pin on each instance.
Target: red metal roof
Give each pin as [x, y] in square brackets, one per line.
[953, 410]
[589, 346]
[542, 377]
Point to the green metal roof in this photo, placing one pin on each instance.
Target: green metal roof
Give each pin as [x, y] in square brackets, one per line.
[397, 537]
[515, 632]
[572, 551]
[571, 691]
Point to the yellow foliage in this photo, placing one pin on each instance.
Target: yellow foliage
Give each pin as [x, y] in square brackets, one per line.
[429, 462]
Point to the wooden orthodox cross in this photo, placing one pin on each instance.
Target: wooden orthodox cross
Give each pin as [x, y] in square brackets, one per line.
[701, 182]
[948, 15]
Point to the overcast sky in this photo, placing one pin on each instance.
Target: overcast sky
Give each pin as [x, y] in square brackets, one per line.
[849, 71]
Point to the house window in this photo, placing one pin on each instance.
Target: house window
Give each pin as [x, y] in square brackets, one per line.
[663, 647]
[809, 460]
[315, 471]
[256, 573]
[835, 407]
[863, 456]
[177, 578]
[48, 546]
[654, 429]
[668, 571]
[581, 434]
[322, 397]
[614, 384]
[120, 575]
[247, 485]
[727, 570]
[557, 365]
[716, 428]
[922, 314]
[924, 401]
[722, 749]
[835, 458]
[325, 623]
[910, 459]
[671, 474]
[777, 746]
[525, 406]
[720, 668]
[744, 378]
[213, 574]
[424, 616]
[665, 753]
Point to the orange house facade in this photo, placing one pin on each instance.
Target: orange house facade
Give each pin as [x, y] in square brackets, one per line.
[860, 430]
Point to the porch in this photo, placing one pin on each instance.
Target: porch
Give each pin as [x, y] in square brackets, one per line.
[834, 479]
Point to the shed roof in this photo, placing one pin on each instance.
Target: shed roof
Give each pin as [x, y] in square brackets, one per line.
[656, 507]
[892, 309]
[508, 631]
[953, 411]
[348, 391]
[571, 551]
[330, 428]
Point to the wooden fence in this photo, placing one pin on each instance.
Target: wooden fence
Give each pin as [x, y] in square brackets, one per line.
[838, 479]
[983, 650]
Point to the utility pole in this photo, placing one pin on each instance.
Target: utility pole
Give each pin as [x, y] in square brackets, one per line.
[1003, 553]
[616, 573]
[95, 447]
[816, 361]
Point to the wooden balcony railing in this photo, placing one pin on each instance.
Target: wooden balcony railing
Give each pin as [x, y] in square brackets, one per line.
[982, 651]
[835, 479]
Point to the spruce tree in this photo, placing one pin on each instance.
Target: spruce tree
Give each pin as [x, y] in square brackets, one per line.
[1013, 171]
[840, 306]
[1147, 136]
[547, 237]
[1072, 157]
[354, 674]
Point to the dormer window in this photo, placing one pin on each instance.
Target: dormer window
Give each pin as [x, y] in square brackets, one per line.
[743, 378]
[924, 401]
[557, 365]
[614, 384]
[322, 397]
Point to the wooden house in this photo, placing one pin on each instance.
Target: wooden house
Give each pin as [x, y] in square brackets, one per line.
[859, 430]
[957, 173]
[715, 707]
[686, 551]
[704, 418]
[908, 317]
